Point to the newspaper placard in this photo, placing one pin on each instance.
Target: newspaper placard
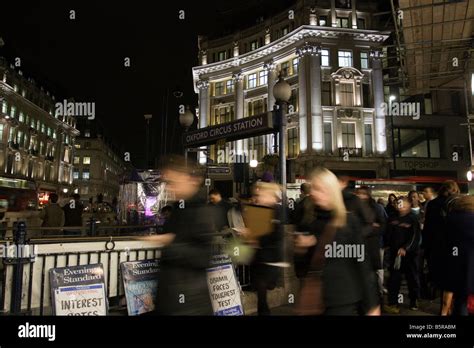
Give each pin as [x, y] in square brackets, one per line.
[78, 290]
[140, 282]
[224, 289]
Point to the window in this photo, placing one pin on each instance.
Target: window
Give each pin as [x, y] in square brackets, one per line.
[342, 22]
[75, 174]
[324, 57]
[223, 114]
[229, 86]
[295, 66]
[33, 123]
[323, 21]
[285, 30]
[285, 67]
[346, 94]
[343, 3]
[77, 146]
[293, 147]
[43, 127]
[366, 95]
[422, 143]
[254, 45]
[364, 60]
[13, 111]
[360, 23]
[252, 81]
[21, 117]
[4, 107]
[19, 137]
[293, 102]
[368, 139]
[345, 58]
[10, 135]
[38, 125]
[85, 175]
[262, 78]
[86, 160]
[41, 149]
[87, 133]
[256, 107]
[218, 88]
[328, 137]
[258, 146]
[221, 55]
[348, 135]
[54, 135]
[326, 93]
[77, 160]
[2, 126]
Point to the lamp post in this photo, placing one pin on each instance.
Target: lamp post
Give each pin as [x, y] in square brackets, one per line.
[186, 120]
[282, 94]
[147, 140]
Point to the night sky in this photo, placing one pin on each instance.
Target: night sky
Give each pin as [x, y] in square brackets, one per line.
[84, 58]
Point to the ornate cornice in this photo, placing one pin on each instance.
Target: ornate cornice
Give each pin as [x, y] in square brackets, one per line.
[202, 84]
[308, 49]
[303, 33]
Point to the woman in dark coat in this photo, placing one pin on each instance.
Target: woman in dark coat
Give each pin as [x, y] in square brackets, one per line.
[348, 284]
[461, 257]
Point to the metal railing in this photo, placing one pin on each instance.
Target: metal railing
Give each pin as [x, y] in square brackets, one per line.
[25, 284]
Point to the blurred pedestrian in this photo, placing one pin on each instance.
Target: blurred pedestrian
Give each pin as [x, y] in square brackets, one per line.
[374, 237]
[402, 238]
[267, 265]
[52, 215]
[391, 207]
[336, 283]
[416, 206]
[73, 215]
[460, 240]
[182, 284]
[428, 194]
[434, 242]
[221, 208]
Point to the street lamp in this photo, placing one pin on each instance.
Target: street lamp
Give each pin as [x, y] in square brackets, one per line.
[147, 140]
[282, 94]
[186, 120]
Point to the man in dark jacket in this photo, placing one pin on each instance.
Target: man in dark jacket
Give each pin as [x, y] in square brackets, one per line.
[403, 238]
[220, 208]
[460, 262]
[73, 214]
[182, 282]
[434, 235]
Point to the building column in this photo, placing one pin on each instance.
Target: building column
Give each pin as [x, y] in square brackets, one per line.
[239, 106]
[377, 85]
[203, 86]
[270, 67]
[316, 107]
[304, 129]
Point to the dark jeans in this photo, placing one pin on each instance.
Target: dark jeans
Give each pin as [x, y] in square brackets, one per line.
[409, 267]
[264, 277]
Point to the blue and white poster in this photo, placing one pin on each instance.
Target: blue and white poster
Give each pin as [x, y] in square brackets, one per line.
[224, 289]
[140, 282]
[78, 290]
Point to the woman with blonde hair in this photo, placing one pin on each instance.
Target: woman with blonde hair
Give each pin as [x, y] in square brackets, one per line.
[339, 281]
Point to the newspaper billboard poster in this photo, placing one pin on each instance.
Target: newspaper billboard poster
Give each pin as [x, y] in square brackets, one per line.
[224, 289]
[140, 282]
[78, 290]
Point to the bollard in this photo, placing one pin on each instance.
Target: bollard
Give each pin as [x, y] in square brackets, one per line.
[19, 238]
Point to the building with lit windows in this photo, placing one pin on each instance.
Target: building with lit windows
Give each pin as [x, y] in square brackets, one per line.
[330, 52]
[98, 167]
[36, 145]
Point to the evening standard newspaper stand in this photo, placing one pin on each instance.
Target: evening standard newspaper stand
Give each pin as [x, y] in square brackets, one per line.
[78, 290]
[224, 289]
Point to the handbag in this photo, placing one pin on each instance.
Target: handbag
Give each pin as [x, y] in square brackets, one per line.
[311, 300]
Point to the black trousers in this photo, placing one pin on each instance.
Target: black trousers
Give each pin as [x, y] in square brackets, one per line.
[409, 268]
